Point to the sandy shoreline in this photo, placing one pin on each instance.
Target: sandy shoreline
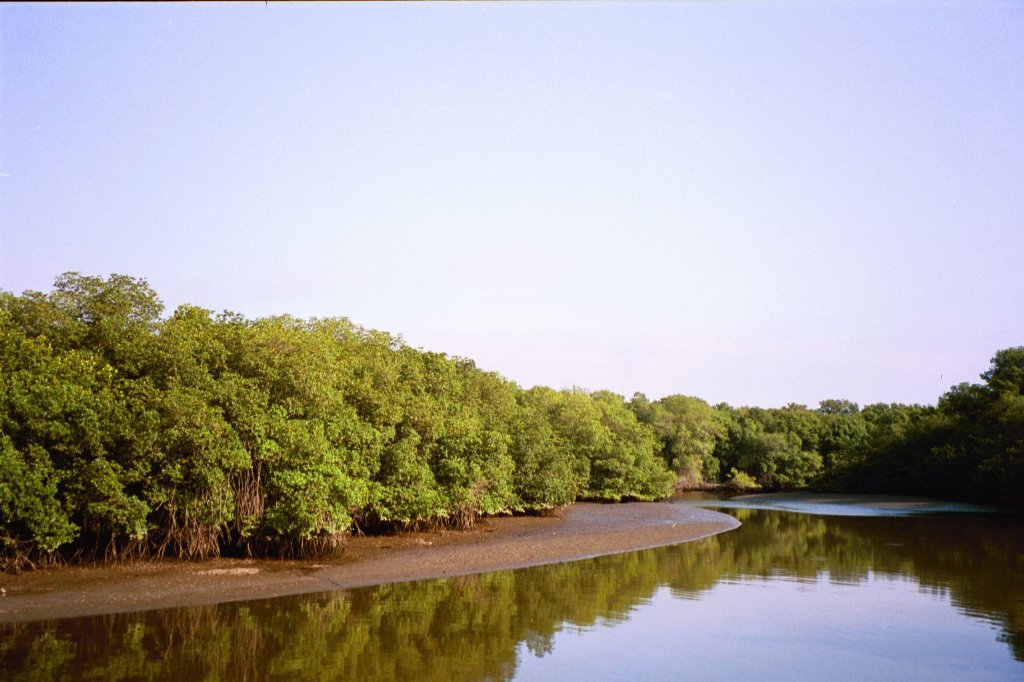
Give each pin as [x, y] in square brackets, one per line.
[582, 531]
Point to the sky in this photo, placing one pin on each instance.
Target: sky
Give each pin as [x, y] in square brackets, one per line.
[750, 203]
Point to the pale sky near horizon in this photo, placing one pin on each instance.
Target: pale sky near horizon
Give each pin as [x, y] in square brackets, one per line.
[757, 204]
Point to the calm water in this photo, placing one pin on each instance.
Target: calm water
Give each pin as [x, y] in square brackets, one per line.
[786, 596]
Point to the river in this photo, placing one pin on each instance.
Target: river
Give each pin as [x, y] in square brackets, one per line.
[788, 595]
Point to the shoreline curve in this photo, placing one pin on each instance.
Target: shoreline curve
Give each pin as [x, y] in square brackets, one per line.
[582, 531]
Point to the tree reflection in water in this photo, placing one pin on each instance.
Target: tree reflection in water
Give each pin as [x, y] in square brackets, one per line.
[471, 627]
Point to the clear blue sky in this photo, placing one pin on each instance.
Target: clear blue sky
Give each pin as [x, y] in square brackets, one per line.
[747, 203]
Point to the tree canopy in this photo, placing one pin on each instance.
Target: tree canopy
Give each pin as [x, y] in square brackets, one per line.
[123, 432]
[200, 434]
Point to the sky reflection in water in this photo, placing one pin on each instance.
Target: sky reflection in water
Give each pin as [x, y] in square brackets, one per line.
[786, 596]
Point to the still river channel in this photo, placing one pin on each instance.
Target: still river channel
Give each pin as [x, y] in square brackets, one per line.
[788, 595]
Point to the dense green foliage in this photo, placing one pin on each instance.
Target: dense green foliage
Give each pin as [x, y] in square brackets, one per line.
[122, 432]
[971, 446]
[197, 435]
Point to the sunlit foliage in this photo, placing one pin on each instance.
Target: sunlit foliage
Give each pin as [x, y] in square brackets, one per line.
[123, 432]
[197, 435]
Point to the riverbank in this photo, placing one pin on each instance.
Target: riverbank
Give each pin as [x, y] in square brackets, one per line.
[581, 531]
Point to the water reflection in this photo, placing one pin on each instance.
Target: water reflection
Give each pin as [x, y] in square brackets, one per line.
[835, 504]
[475, 627]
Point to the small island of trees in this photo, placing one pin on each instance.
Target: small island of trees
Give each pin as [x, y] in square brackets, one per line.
[127, 434]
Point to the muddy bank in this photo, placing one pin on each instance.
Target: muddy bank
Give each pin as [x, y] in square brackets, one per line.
[583, 530]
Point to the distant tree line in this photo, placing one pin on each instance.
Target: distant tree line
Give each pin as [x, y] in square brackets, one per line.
[970, 446]
[124, 433]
